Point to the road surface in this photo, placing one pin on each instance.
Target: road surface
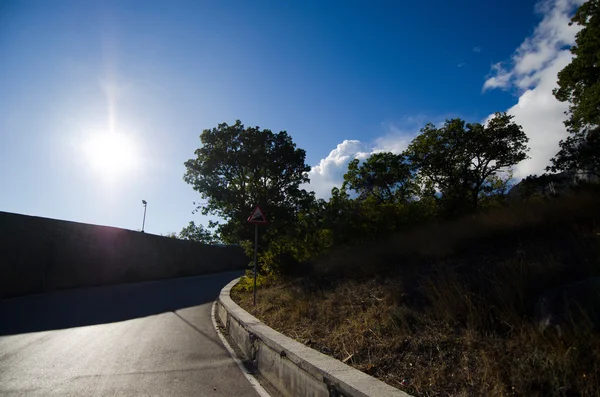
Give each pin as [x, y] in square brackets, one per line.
[151, 339]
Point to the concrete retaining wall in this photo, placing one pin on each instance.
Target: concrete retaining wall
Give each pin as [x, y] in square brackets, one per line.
[41, 254]
[291, 367]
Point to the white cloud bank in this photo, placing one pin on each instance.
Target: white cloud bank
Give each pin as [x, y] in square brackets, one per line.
[330, 170]
[532, 71]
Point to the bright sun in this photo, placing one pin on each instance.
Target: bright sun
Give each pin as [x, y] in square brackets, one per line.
[112, 154]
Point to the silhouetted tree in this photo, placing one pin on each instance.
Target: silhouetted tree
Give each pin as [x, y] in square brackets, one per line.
[579, 84]
[384, 176]
[238, 167]
[198, 234]
[461, 162]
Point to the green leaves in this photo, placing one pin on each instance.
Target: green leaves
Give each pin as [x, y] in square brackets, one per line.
[198, 234]
[384, 176]
[460, 163]
[579, 84]
[238, 167]
[460, 166]
[450, 170]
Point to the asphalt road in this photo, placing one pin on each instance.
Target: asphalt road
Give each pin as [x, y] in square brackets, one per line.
[151, 339]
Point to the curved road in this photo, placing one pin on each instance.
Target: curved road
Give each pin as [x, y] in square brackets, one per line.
[151, 339]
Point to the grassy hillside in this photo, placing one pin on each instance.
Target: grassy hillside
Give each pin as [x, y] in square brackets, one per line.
[448, 308]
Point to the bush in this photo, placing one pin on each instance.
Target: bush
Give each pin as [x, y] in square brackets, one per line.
[449, 307]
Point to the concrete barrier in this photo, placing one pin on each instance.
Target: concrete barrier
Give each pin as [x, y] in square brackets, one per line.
[41, 255]
[291, 367]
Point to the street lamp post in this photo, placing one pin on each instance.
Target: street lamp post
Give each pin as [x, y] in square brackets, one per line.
[144, 221]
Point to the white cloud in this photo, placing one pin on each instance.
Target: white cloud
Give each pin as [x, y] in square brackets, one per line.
[396, 140]
[460, 65]
[500, 77]
[477, 49]
[532, 71]
[541, 117]
[551, 37]
[330, 170]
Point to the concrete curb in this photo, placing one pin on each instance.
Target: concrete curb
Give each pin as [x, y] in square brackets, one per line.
[291, 367]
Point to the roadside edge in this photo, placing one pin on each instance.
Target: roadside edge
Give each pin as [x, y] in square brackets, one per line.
[253, 381]
[289, 366]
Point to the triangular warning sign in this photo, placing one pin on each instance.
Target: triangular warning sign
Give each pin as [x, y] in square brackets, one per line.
[257, 216]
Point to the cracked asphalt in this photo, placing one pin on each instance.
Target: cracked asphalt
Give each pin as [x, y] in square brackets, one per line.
[150, 339]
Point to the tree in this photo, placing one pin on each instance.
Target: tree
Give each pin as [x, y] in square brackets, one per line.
[198, 234]
[289, 253]
[579, 84]
[385, 176]
[238, 167]
[579, 152]
[461, 162]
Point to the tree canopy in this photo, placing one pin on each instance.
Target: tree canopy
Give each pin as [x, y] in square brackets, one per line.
[198, 234]
[461, 162]
[448, 170]
[579, 85]
[238, 167]
[385, 176]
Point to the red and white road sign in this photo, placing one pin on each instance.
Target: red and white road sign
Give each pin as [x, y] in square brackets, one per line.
[258, 216]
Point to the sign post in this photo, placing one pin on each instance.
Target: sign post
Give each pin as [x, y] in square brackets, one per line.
[255, 259]
[257, 218]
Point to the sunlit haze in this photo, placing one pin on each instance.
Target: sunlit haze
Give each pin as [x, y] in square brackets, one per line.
[112, 155]
[101, 102]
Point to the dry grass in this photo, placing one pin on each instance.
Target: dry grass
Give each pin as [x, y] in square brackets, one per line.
[447, 309]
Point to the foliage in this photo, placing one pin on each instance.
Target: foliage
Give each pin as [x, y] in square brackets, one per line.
[246, 283]
[581, 151]
[238, 167]
[290, 251]
[456, 168]
[460, 166]
[462, 163]
[385, 176]
[448, 308]
[579, 84]
[198, 234]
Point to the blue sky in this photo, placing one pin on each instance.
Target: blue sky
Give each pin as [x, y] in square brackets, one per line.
[344, 78]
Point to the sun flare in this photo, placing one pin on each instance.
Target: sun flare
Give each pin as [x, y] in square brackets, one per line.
[111, 153]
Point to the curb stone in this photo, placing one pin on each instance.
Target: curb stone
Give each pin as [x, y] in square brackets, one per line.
[291, 367]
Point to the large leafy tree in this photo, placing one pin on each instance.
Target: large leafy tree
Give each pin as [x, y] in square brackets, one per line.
[198, 234]
[462, 162]
[385, 176]
[579, 84]
[238, 167]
